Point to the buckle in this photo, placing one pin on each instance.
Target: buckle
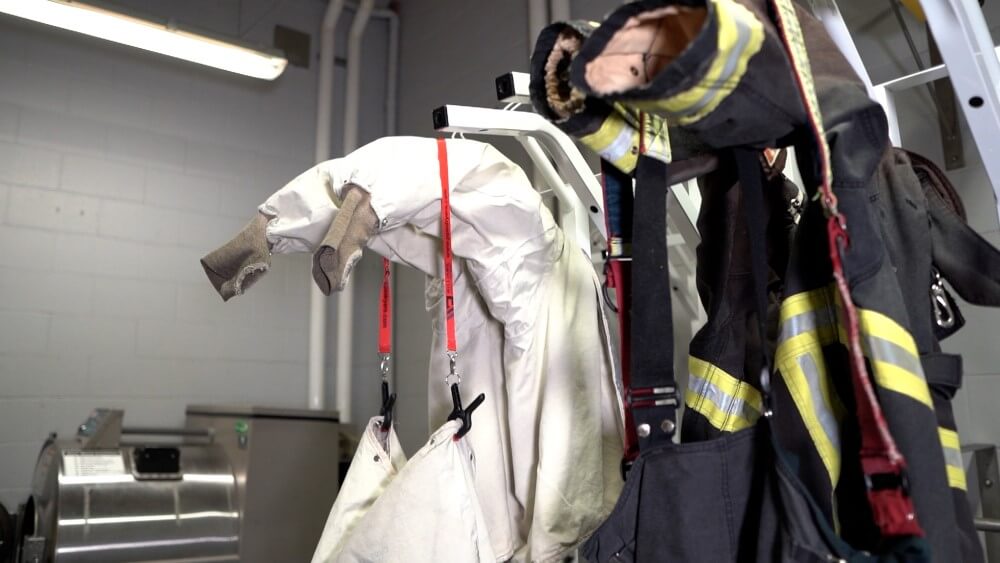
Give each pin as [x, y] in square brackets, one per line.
[646, 397]
[888, 481]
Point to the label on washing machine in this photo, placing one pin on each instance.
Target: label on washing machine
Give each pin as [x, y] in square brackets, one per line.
[92, 464]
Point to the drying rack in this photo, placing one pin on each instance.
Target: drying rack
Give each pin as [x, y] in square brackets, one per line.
[564, 169]
[970, 59]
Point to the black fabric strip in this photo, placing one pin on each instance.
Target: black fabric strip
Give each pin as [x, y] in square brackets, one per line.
[652, 319]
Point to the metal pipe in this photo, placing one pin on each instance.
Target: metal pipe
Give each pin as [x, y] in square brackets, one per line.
[987, 525]
[392, 73]
[960, 30]
[573, 214]
[560, 11]
[538, 17]
[345, 300]
[391, 95]
[324, 110]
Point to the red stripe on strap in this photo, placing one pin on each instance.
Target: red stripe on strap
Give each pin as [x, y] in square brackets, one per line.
[449, 284]
[385, 311]
[892, 508]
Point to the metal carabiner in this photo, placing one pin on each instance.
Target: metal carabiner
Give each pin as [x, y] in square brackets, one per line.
[384, 361]
[944, 316]
[453, 376]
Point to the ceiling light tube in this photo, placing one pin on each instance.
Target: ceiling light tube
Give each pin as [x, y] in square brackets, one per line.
[147, 35]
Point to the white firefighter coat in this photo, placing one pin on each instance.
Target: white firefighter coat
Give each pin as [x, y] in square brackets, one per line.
[531, 331]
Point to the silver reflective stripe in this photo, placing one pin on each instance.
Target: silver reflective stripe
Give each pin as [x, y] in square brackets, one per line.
[953, 457]
[804, 322]
[620, 146]
[887, 351]
[732, 61]
[722, 401]
[875, 348]
[823, 413]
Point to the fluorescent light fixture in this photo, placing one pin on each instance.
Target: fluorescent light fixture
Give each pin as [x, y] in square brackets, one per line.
[151, 36]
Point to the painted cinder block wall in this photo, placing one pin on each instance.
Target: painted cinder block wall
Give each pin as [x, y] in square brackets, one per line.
[118, 170]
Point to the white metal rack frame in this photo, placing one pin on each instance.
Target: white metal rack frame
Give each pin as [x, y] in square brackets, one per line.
[563, 167]
[970, 60]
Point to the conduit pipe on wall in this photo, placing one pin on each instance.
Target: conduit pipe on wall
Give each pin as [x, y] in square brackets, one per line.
[317, 301]
[345, 299]
[538, 18]
[391, 85]
[324, 110]
[559, 9]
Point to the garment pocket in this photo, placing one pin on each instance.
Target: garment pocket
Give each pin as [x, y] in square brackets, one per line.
[864, 253]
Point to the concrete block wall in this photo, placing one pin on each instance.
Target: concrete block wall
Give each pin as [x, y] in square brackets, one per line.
[118, 170]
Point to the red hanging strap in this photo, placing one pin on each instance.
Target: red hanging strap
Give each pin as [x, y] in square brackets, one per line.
[883, 466]
[449, 283]
[385, 345]
[385, 312]
[459, 411]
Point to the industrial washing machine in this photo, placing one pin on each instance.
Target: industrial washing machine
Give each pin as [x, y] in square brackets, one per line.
[250, 484]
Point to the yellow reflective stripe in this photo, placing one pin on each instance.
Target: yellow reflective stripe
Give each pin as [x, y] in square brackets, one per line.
[875, 323]
[949, 439]
[952, 448]
[805, 302]
[956, 478]
[724, 421]
[807, 324]
[895, 378]
[893, 355]
[814, 407]
[616, 141]
[740, 37]
[817, 324]
[728, 403]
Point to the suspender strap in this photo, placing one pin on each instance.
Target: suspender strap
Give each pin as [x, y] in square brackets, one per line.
[883, 466]
[651, 396]
[618, 210]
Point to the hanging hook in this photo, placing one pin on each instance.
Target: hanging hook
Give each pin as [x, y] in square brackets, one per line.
[388, 399]
[388, 402]
[463, 413]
